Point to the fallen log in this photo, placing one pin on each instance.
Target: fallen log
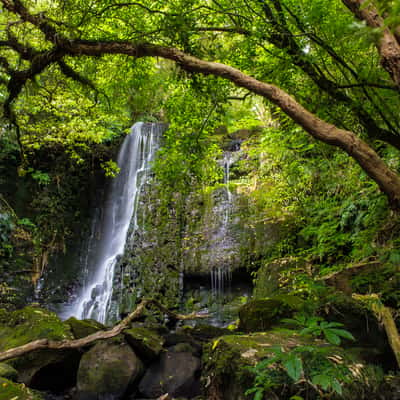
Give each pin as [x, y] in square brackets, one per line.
[42, 344]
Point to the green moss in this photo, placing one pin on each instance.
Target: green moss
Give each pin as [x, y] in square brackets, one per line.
[8, 372]
[82, 328]
[30, 323]
[26, 325]
[146, 342]
[260, 315]
[14, 391]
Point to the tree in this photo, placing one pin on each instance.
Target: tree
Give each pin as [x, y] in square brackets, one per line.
[60, 34]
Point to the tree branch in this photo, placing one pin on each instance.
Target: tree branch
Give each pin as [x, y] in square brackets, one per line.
[42, 344]
[387, 45]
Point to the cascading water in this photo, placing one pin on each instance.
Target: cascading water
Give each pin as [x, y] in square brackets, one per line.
[120, 212]
[221, 275]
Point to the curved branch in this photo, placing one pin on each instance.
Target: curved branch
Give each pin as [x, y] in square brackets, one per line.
[373, 165]
[42, 344]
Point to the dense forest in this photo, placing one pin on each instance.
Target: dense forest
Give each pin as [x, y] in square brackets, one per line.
[199, 199]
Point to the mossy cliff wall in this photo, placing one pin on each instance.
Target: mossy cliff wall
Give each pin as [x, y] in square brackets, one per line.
[212, 229]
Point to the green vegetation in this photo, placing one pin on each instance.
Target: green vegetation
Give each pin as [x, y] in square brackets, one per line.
[74, 75]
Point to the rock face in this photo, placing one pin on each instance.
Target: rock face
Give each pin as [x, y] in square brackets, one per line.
[207, 236]
[106, 371]
[174, 373]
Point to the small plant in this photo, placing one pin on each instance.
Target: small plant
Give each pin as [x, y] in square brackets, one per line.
[318, 327]
[313, 366]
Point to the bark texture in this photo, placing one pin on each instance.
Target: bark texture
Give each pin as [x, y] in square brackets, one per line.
[384, 314]
[388, 44]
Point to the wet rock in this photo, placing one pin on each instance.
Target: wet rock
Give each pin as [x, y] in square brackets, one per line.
[8, 372]
[145, 342]
[10, 391]
[83, 328]
[174, 373]
[107, 370]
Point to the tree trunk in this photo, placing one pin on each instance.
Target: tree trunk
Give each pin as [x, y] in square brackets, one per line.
[388, 44]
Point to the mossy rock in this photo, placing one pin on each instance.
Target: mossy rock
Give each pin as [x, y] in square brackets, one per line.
[83, 328]
[8, 372]
[260, 315]
[147, 343]
[28, 324]
[11, 390]
[107, 370]
[226, 360]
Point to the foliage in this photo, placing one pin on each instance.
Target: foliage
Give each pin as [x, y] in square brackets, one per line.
[314, 367]
[317, 327]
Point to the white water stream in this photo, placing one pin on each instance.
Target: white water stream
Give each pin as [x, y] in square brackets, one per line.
[119, 213]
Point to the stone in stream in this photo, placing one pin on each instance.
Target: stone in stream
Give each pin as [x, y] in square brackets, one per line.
[107, 370]
[174, 373]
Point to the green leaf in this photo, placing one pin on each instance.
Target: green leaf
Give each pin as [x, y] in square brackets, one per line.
[294, 367]
[331, 337]
[259, 395]
[337, 387]
[324, 381]
[343, 333]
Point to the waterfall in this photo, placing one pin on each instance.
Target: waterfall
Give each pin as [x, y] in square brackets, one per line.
[221, 275]
[119, 214]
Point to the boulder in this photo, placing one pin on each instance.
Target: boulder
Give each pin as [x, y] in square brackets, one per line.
[11, 390]
[260, 315]
[175, 373]
[29, 324]
[83, 328]
[147, 343]
[107, 370]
